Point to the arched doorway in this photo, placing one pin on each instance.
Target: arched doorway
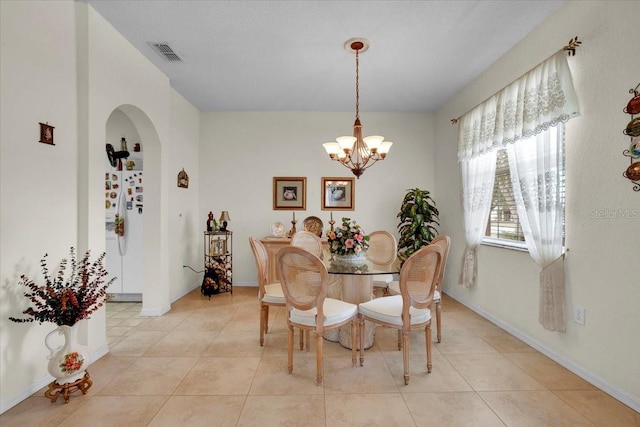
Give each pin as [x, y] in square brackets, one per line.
[130, 119]
[124, 208]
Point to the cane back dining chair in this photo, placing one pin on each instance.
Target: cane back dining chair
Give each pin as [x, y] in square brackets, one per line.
[309, 241]
[411, 309]
[394, 287]
[269, 294]
[382, 253]
[305, 280]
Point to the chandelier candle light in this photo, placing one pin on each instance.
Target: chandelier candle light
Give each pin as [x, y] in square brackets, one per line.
[355, 152]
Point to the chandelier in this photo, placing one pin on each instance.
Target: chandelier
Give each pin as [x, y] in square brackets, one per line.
[355, 152]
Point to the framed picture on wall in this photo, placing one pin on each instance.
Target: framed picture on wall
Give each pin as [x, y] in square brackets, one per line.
[338, 193]
[183, 179]
[289, 193]
[46, 133]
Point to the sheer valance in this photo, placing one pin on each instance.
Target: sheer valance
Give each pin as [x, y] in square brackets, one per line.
[541, 98]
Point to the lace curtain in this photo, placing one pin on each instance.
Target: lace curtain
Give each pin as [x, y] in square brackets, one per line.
[541, 99]
[536, 168]
[536, 101]
[478, 174]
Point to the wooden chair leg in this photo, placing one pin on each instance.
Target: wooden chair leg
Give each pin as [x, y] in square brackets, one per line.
[438, 320]
[319, 362]
[263, 314]
[354, 342]
[361, 335]
[405, 356]
[302, 339]
[428, 338]
[399, 340]
[290, 348]
[266, 319]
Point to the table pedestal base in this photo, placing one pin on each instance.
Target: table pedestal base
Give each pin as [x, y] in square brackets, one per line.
[356, 288]
[332, 335]
[369, 333]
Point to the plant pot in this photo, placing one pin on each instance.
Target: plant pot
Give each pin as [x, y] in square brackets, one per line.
[68, 362]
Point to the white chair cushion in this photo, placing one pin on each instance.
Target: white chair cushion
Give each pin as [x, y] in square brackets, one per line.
[273, 294]
[335, 311]
[389, 310]
[394, 289]
[382, 280]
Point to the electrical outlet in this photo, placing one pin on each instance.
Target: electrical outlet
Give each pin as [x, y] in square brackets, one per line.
[579, 315]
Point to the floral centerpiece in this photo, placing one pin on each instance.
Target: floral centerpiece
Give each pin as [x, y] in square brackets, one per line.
[348, 239]
[65, 301]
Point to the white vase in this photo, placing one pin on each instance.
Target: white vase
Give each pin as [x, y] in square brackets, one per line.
[68, 362]
[351, 259]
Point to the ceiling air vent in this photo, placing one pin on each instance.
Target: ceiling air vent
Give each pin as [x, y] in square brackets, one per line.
[166, 52]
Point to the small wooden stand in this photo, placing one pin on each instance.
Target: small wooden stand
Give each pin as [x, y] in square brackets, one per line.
[55, 389]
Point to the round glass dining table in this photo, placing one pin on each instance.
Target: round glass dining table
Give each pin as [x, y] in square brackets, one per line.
[356, 287]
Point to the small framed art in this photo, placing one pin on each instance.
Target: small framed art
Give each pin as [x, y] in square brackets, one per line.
[217, 247]
[289, 193]
[183, 179]
[338, 193]
[46, 133]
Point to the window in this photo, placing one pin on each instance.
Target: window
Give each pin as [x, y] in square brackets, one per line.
[536, 105]
[503, 226]
[503, 220]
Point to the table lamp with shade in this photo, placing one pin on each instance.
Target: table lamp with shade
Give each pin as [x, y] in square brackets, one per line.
[224, 218]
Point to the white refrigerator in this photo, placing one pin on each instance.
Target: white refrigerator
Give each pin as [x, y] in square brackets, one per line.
[124, 201]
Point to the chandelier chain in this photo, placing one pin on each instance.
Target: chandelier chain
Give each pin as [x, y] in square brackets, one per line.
[357, 84]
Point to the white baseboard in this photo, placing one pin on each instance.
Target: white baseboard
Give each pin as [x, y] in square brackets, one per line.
[155, 312]
[185, 292]
[628, 399]
[117, 297]
[41, 382]
[197, 285]
[26, 392]
[102, 351]
[245, 284]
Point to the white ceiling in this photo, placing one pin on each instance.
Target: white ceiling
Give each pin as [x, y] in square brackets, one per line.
[289, 55]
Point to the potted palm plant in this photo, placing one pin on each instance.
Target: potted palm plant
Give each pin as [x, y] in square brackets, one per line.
[418, 214]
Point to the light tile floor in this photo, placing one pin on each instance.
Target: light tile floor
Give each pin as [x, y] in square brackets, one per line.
[201, 365]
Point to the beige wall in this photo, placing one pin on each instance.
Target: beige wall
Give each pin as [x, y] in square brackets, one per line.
[38, 182]
[601, 268]
[73, 70]
[185, 222]
[120, 77]
[240, 153]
